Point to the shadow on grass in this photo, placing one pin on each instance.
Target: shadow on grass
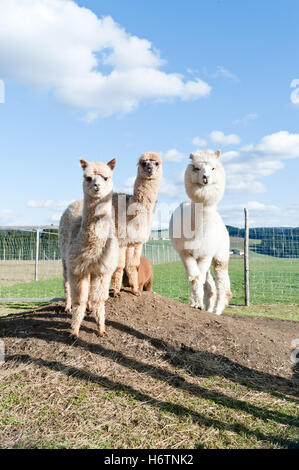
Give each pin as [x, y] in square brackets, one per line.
[206, 364]
[165, 406]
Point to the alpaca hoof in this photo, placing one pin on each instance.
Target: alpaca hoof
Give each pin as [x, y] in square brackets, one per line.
[197, 305]
[116, 293]
[136, 292]
[102, 333]
[74, 334]
[68, 309]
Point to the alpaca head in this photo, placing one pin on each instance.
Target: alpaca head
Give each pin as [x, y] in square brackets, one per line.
[205, 177]
[97, 181]
[150, 166]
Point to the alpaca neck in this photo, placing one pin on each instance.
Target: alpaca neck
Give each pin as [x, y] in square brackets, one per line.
[204, 208]
[94, 211]
[146, 191]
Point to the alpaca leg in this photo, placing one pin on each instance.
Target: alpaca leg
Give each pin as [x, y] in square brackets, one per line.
[148, 286]
[197, 285]
[99, 287]
[191, 267]
[210, 292]
[67, 290]
[132, 263]
[223, 285]
[118, 273]
[79, 293]
[194, 277]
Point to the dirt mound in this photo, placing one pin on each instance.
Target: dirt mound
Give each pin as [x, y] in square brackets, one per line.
[150, 329]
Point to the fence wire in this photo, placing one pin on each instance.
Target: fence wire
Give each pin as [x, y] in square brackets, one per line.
[30, 266]
[274, 265]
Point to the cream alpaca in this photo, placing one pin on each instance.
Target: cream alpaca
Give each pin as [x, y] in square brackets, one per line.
[207, 241]
[133, 216]
[89, 248]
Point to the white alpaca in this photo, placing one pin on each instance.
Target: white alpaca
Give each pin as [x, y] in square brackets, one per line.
[89, 249]
[199, 235]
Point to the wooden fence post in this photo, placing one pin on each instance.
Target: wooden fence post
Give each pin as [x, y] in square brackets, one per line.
[246, 260]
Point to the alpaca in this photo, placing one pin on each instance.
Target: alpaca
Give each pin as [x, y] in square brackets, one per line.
[145, 276]
[89, 248]
[133, 216]
[205, 239]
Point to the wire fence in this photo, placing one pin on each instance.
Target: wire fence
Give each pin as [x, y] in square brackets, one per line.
[30, 265]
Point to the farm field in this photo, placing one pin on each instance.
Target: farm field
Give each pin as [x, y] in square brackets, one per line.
[272, 280]
[226, 382]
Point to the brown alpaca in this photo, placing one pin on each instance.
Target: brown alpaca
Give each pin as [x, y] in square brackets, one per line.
[89, 248]
[145, 275]
[133, 217]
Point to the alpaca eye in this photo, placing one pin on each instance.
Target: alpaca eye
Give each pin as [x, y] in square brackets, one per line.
[105, 178]
[88, 178]
[195, 168]
[157, 164]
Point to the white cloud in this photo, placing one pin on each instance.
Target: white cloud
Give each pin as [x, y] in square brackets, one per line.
[260, 214]
[257, 161]
[281, 144]
[87, 62]
[129, 184]
[199, 142]
[170, 189]
[245, 119]
[7, 217]
[295, 94]
[222, 72]
[227, 156]
[56, 217]
[247, 148]
[173, 155]
[49, 204]
[218, 137]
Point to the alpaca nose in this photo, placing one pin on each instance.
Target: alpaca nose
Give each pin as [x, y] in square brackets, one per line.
[96, 187]
[205, 179]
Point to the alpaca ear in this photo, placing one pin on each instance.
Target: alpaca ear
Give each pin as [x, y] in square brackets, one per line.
[112, 164]
[217, 153]
[83, 163]
[191, 156]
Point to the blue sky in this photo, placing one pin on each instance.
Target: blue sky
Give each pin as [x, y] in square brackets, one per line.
[118, 78]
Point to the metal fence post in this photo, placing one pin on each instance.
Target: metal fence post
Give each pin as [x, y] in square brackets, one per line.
[246, 260]
[36, 254]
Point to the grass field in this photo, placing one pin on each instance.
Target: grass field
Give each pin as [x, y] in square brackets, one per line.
[272, 280]
[152, 382]
[272, 294]
[134, 391]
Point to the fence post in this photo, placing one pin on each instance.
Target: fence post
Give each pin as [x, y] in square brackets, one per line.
[36, 254]
[246, 260]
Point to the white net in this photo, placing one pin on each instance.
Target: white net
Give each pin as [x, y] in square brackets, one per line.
[274, 265]
[30, 265]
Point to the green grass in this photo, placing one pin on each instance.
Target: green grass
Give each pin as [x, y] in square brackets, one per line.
[208, 412]
[50, 288]
[272, 281]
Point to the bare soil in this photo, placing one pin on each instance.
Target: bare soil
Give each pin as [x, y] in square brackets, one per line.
[155, 336]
